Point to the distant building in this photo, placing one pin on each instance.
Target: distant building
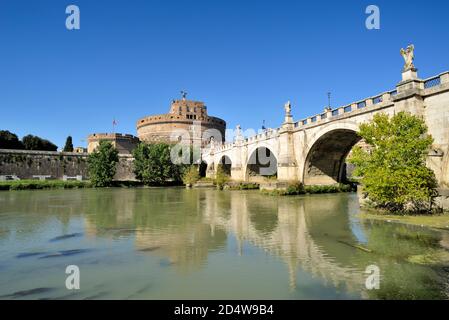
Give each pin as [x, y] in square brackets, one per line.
[79, 150]
[124, 143]
[187, 115]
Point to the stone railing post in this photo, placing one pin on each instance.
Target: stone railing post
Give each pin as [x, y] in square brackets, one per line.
[445, 77]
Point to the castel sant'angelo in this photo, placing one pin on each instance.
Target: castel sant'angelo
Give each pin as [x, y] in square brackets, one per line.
[186, 118]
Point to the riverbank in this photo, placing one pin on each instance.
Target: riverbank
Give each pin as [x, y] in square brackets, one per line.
[436, 221]
[59, 184]
[44, 184]
[299, 189]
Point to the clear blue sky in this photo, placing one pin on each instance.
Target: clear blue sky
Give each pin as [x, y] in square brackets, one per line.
[244, 59]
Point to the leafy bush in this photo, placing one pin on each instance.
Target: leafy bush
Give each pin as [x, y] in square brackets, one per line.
[298, 189]
[242, 186]
[220, 177]
[153, 165]
[102, 164]
[191, 176]
[295, 188]
[393, 170]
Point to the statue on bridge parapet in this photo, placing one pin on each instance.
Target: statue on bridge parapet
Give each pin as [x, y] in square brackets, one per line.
[288, 108]
[409, 55]
[238, 133]
[288, 112]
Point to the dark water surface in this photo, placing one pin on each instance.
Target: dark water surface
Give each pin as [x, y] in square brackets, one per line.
[206, 244]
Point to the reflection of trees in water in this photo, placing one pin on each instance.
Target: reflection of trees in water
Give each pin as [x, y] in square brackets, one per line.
[31, 211]
[165, 222]
[174, 224]
[314, 233]
[107, 209]
[399, 250]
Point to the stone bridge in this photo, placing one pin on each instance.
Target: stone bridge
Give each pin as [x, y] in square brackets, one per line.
[313, 150]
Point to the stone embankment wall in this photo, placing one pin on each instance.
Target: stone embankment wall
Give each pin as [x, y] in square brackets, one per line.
[25, 164]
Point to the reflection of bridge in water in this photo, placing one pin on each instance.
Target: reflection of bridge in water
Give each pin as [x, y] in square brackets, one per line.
[289, 238]
[280, 227]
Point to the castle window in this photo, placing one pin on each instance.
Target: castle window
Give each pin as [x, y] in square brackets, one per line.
[188, 109]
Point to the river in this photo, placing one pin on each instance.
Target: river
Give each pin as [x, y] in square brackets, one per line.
[174, 243]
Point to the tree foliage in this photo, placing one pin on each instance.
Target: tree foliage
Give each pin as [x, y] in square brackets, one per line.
[68, 145]
[191, 176]
[102, 164]
[153, 164]
[31, 142]
[393, 169]
[221, 177]
[9, 140]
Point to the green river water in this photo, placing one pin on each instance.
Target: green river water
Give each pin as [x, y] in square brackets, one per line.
[173, 243]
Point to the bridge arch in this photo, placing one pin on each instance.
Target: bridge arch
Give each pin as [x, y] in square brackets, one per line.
[262, 162]
[326, 153]
[202, 169]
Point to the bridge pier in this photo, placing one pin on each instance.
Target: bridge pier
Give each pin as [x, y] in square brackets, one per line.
[287, 169]
[237, 173]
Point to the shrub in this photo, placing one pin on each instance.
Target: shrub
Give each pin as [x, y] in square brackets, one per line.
[191, 176]
[153, 164]
[220, 177]
[102, 164]
[393, 171]
[295, 188]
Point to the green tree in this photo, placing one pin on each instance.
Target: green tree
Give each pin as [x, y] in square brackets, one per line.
[68, 145]
[393, 169]
[9, 140]
[221, 177]
[153, 164]
[191, 176]
[31, 142]
[102, 164]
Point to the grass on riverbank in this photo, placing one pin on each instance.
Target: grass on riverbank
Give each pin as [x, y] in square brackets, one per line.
[299, 189]
[438, 221]
[45, 184]
[71, 184]
[242, 186]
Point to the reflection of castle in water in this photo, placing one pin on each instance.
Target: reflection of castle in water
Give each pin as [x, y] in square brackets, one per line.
[301, 232]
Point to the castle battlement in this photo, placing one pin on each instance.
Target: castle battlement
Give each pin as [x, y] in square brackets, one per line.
[124, 143]
[181, 116]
